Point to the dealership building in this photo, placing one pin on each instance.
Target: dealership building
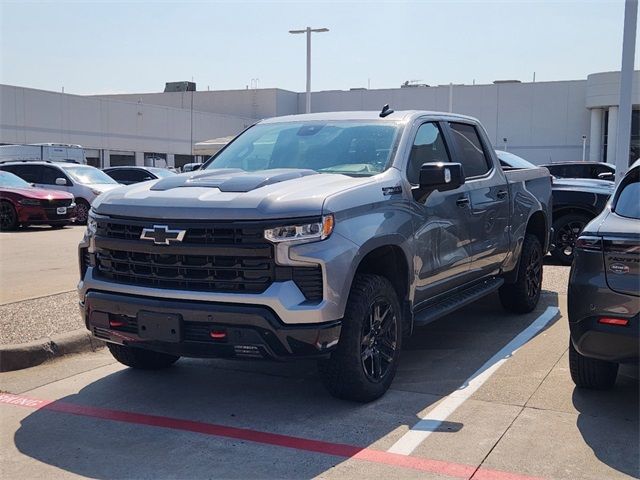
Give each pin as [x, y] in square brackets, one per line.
[540, 121]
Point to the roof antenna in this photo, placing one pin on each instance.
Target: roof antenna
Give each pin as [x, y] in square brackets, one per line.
[385, 111]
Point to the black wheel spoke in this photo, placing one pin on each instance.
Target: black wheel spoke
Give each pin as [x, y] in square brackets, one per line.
[378, 341]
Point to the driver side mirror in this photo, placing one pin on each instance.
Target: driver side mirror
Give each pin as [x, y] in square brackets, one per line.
[441, 176]
[61, 181]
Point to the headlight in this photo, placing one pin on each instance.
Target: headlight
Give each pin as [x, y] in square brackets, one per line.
[306, 232]
[31, 202]
[92, 225]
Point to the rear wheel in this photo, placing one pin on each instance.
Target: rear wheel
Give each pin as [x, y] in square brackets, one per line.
[365, 361]
[140, 358]
[567, 229]
[590, 372]
[523, 295]
[8, 217]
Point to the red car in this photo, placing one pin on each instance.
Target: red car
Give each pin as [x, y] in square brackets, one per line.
[22, 204]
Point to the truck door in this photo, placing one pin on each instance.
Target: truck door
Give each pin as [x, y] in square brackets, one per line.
[488, 207]
[441, 257]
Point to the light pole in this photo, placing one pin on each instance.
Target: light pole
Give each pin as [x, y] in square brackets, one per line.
[308, 31]
[584, 148]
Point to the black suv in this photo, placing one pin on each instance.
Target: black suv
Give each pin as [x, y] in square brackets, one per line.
[604, 290]
[131, 175]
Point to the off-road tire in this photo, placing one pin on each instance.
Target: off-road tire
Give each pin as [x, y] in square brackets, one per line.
[140, 358]
[344, 373]
[9, 220]
[590, 372]
[523, 295]
[564, 226]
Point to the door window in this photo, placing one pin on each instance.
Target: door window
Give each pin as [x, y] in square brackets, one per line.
[29, 173]
[427, 147]
[49, 175]
[469, 149]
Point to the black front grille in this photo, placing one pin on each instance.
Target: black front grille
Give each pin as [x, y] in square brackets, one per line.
[187, 272]
[56, 203]
[226, 257]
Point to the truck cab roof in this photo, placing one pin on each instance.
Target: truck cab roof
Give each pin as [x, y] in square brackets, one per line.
[368, 115]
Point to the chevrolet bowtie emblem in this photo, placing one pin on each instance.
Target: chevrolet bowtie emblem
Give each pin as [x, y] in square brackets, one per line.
[162, 235]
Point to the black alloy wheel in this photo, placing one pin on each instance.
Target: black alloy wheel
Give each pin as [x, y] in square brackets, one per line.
[8, 217]
[567, 230]
[379, 341]
[533, 274]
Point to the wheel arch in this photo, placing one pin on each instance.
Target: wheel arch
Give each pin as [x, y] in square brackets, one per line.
[390, 260]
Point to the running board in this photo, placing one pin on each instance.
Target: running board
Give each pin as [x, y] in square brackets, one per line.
[455, 301]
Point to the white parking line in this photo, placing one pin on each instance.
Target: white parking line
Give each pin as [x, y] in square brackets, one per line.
[430, 423]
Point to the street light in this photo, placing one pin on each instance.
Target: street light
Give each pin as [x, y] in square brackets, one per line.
[308, 31]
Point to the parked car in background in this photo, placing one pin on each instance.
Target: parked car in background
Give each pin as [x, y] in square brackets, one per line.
[54, 152]
[604, 290]
[593, 170]
[23, 204]
[130, 175]
[83, 181]
[349, 230]
[190, 167]
[576, 201]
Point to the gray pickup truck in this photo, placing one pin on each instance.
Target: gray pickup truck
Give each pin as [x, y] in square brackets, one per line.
[328, 236]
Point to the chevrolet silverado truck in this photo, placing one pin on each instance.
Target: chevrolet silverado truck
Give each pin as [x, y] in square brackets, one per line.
[328, 236]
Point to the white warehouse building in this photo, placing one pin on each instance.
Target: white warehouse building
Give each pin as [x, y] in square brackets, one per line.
[542, 122]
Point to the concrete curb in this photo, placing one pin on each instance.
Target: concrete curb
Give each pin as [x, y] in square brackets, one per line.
[30, 354]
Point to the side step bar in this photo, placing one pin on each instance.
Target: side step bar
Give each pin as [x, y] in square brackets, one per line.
[456, 300]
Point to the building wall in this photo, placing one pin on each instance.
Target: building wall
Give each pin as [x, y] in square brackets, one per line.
[543, 122]
[37, 116]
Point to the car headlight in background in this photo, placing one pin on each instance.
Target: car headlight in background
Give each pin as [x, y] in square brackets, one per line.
[306, 232]
[29, 202]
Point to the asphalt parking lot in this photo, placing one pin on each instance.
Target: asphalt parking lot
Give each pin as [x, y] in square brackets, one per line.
[479, 394]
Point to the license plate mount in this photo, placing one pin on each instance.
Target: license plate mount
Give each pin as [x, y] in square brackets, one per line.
[162, 327]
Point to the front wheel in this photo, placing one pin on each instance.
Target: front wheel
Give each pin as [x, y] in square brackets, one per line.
[82, 211]
[365, 361]
[523, 295]
[8, 217]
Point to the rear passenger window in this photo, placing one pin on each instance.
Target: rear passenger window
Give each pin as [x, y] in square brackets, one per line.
[469, 148]
[427, 147]
[628, 203]
[29, 173]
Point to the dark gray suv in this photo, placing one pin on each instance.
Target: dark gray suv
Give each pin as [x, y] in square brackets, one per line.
[604, 289]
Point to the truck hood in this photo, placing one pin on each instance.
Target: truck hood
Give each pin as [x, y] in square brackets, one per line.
[228, 194]
[39, 193]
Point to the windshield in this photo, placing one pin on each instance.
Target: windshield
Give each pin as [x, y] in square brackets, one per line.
[351, 148]
[9, 180]
[162, 172]
[88, 175]
[510, 160]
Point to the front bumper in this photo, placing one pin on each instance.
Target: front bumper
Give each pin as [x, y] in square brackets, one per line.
[249, 331]
[40, 215]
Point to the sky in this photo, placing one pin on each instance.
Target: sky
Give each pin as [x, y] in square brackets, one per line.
[91, 47]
